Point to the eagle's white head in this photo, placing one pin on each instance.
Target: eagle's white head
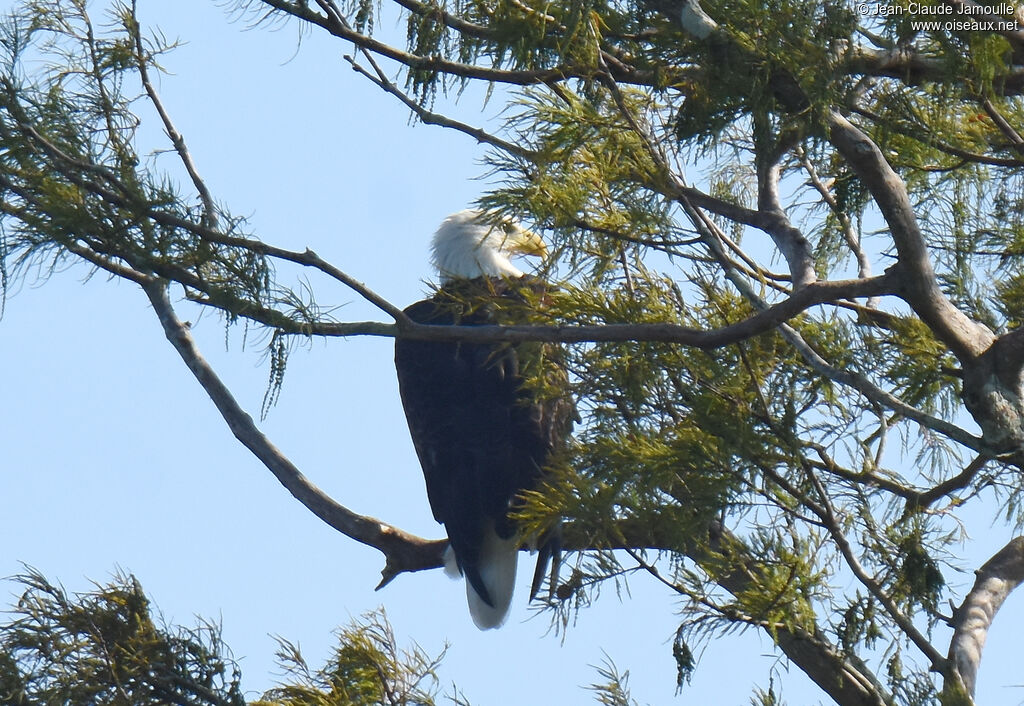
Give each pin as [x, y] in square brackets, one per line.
[467, 246]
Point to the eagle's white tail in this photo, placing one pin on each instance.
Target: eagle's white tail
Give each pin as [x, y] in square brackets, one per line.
[498, 559]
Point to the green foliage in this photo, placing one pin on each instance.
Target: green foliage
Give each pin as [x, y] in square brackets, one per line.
[367, 668]
[613, 689]
[103, 647]
[859, 625]
[685, 662]
[919, 578]
[766, 698]
[73, 183]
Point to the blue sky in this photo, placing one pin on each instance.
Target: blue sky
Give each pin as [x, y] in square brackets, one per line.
[115, 458]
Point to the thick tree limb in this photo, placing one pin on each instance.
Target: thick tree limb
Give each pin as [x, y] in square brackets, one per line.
[787, 237]
[913, 69]
[996, 579]
[965, 337]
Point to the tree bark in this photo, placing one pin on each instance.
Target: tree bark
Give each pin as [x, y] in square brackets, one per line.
[996, 579]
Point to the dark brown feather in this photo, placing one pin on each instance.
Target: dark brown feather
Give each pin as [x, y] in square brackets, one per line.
[481, 437]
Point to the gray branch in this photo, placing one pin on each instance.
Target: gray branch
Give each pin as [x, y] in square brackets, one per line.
[403, 551]
[994, 581]
[787, 238]
[967, 339]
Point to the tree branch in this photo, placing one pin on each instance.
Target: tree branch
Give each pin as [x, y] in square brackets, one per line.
[335, 24]
[787, 238]
[833, 525]
[926, 136]
[967, 339]
[845, 678]
[209, 207]
[428, 117]
[849, 234]
[913, 69]
[995, 580]
[403, 551]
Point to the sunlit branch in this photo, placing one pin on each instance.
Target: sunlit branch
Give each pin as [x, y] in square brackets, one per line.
[96, 71]
[877, 395]
[769, 217]
[124, 198]
[995, 580]
[965, 337]
[787, 238]
[403, 551]
[107, 264]
[844, 677]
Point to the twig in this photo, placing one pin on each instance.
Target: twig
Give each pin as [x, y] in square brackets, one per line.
[209, 207]
[833, 526]
[851, 237]
[429, 117]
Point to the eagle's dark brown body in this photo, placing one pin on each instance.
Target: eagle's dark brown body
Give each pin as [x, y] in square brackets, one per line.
[481, 436]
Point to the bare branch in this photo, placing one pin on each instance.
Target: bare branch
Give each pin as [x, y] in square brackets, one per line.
[403, 551]
[995, 580]
[142, 62]
[429, 117]
[967, 339]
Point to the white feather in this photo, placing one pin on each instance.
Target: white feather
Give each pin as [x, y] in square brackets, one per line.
[498, 560]
[466, 247]
[451, 564]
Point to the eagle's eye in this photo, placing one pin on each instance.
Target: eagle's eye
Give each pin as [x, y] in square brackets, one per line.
[508, 226]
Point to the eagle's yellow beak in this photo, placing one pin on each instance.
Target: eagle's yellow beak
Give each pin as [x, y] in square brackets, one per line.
[526, 242]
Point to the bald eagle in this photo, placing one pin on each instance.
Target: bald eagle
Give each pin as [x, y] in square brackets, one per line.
[480, 436]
